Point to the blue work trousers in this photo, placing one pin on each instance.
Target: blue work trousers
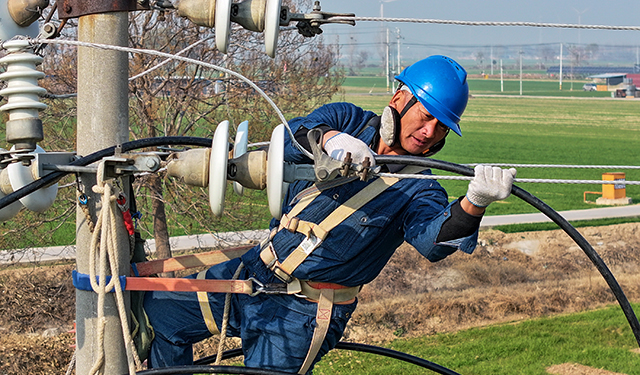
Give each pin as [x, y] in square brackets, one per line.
[276, 330]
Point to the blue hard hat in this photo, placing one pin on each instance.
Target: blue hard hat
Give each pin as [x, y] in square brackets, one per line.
[440, 84]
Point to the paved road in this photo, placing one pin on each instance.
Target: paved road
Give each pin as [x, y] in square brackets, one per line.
[590, 214]
[207, 241]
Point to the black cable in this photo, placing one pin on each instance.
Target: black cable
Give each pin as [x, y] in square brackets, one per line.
[363, 348]
[395, 355]
[53, 177]
[175, 370]
[545, 209]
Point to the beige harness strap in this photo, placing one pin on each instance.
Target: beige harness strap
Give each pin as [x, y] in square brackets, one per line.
[313, 240]
[323, 319]
[205, 309]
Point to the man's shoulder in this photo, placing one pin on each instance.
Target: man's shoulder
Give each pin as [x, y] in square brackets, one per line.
[342, 106]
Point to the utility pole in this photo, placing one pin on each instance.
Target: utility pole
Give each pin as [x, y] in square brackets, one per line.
[501, 78]
[386, 59]
[103, 121]
[560, 66]
[520, 53]
[399, 69]
[491, 62]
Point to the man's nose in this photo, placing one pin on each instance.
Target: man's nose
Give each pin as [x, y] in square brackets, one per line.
[430, 128]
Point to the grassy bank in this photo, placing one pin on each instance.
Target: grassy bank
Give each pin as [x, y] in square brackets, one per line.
[599, 339]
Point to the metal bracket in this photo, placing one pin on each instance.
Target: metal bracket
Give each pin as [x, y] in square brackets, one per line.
[116, 166]
[309, 23]
[327, 168]
[294, 172]
[270, 288]
[47, 161]
[78, 8]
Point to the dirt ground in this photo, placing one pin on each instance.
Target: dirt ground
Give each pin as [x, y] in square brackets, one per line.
[509, 277]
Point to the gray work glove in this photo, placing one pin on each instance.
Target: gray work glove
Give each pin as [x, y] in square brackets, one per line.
[490, 184]
[341, 143]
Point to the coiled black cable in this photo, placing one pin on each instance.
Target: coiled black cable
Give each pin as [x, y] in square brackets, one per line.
[203, 369]
[385, 352]
[549, 212]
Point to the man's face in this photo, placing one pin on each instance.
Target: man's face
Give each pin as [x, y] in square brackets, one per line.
[419, 130]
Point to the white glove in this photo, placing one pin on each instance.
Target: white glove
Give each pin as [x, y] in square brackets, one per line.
[490, 184]
[341, 143]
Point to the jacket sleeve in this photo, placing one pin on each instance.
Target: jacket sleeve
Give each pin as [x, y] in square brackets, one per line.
[344, 117]
[424, 221]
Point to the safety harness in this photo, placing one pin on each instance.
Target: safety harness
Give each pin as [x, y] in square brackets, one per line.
[325, 294]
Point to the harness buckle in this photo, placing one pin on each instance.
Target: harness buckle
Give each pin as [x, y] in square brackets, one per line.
[281, 274]
[270, 288]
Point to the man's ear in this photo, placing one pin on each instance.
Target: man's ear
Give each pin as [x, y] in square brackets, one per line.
[398, 100]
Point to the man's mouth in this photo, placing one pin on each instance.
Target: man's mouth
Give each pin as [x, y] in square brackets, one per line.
[421, 142]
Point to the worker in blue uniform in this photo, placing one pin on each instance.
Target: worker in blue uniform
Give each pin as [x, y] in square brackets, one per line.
[291, 332]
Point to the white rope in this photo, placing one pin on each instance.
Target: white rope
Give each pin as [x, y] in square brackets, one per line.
[106, 239]
[225, 317]
[519, 180]
[72, 362]
[489, 23]
[556, 166]
[187, 60]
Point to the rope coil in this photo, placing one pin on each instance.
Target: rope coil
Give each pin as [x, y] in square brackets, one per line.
[104, 246]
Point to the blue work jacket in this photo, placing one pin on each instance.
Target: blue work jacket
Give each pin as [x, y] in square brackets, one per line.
[357, 249]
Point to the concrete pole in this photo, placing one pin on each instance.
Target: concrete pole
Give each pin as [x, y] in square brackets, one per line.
[501, 78]
[386, 59]
[491, 62]
[103, 121]
[399, 67]
[560, 66]
[520, 72]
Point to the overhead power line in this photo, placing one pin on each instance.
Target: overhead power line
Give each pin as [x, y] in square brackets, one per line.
[489, 23]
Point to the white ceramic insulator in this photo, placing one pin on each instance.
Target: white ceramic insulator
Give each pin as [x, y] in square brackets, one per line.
[275, 172]
[22, 91]
[7, 212]
[222, 24]
[21, 175]
[271, 27]
[218, 168]
[9, 29]
[239, 149]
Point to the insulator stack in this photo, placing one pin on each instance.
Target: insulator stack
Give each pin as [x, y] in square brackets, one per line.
[24, 128]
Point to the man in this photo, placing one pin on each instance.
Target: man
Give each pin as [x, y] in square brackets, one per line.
[331, 242]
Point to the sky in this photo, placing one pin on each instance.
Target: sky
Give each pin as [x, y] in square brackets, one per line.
[417, 36]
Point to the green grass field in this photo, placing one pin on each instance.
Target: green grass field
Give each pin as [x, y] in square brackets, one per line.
[600, 339]
[493, 86]
[534, 130]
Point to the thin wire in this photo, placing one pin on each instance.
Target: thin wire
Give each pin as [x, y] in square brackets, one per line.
[488, 23]
[519, 180]
[556, 166]
[166, 61]
[187, 60]
[259, 144]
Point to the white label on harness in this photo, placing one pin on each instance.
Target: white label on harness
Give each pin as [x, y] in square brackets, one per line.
[310, 243]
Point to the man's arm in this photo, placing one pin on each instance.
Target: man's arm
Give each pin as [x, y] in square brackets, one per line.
[457, 226]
